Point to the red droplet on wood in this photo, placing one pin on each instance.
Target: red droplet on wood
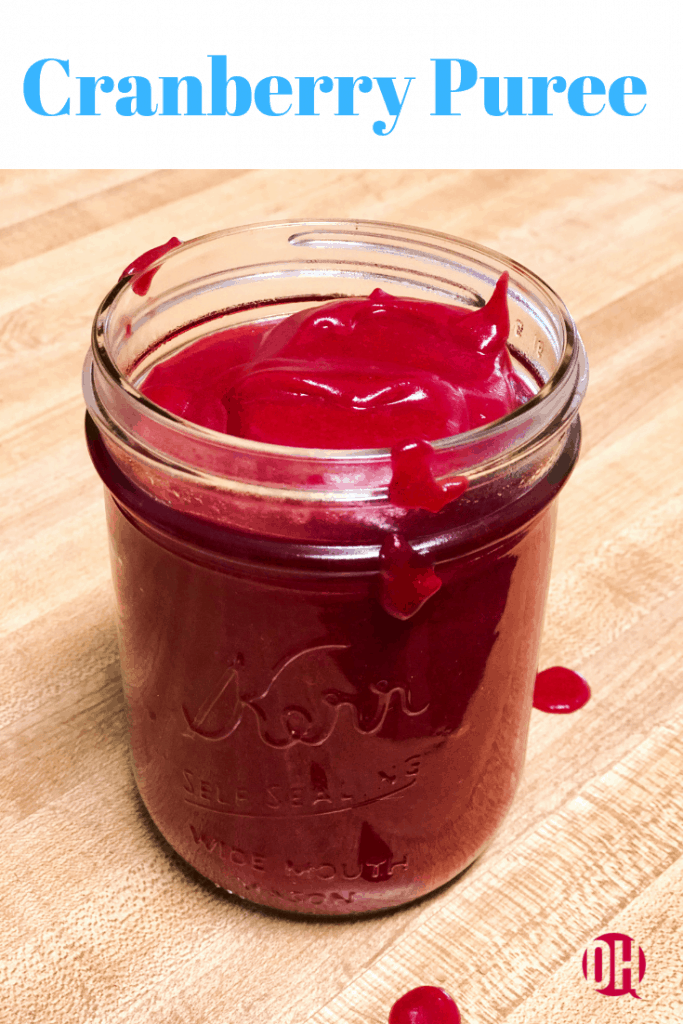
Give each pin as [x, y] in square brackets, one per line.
[425, 1005]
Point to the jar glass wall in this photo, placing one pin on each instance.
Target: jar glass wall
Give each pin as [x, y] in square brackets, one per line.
[294, 742]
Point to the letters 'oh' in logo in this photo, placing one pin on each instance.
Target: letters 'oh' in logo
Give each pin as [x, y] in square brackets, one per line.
[614, 965]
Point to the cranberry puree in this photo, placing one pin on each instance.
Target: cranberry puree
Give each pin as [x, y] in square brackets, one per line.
[141, 281]
[424, 1005]
[412, 482]
[559, 691]
[329, 656]
[300, 746]
[406, 582]
[356, 373]
[345, 375]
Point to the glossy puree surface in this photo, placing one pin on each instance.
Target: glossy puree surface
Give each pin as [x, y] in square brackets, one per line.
[355, 373]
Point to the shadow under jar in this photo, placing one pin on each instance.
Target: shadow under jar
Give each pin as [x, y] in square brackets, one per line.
[294, 742]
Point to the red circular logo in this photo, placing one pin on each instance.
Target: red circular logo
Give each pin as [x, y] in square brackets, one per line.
[614, 965]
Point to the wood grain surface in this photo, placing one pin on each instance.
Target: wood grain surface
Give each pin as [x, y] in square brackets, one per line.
[100, 922]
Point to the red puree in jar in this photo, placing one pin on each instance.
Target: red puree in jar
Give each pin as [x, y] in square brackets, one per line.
[377, 372]
[357, 373]
[317, 738]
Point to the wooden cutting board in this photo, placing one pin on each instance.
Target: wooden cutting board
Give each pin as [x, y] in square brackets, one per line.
[102, 923]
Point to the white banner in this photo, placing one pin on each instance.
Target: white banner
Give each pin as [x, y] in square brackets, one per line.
[360, 83]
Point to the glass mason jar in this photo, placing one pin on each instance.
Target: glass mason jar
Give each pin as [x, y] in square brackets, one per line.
[298, 745]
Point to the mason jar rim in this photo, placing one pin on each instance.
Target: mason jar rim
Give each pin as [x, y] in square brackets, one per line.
[567, 381]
